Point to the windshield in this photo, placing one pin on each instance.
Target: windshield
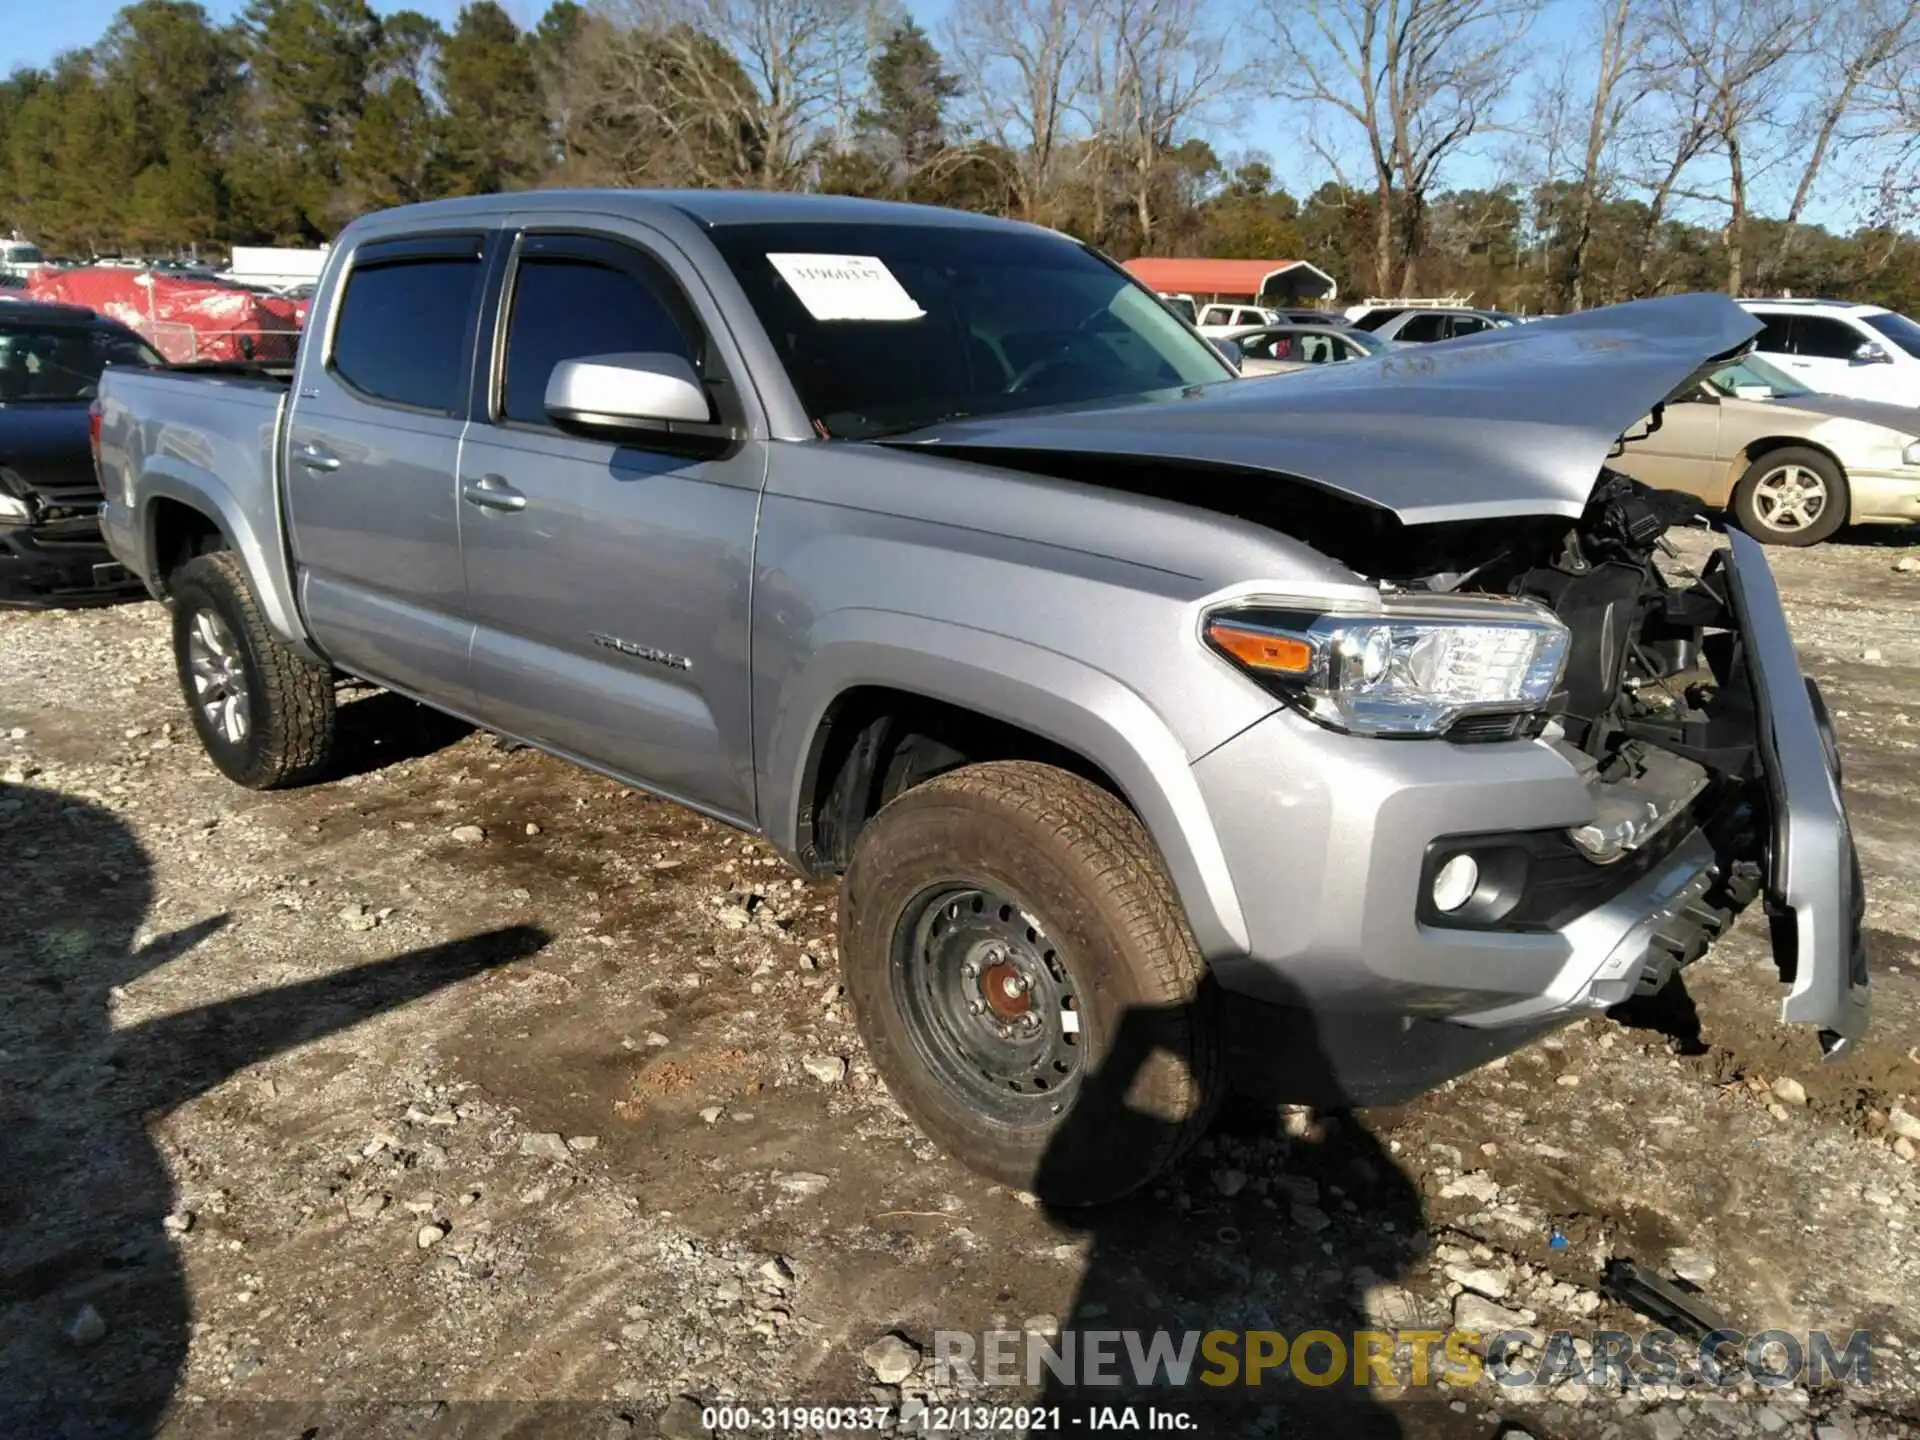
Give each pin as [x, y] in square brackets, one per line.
[1746, 376]
[885, 329]
[1899, 329]
[62, 362]
[1368, 341]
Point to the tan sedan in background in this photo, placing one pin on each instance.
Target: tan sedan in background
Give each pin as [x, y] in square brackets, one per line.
[1792, 466]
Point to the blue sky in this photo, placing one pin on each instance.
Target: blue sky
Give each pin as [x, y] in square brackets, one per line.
[37, 30]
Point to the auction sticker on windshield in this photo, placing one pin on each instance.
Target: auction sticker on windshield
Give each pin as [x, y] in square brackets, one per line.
[846, 287]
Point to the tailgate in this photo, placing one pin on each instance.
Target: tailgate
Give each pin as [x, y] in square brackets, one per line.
[1814, 886]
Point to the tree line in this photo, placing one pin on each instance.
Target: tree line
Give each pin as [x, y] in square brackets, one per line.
[1615, 152]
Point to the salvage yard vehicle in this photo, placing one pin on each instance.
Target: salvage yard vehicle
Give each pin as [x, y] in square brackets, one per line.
[1338, 735]
[1792, 466]
[51, 359]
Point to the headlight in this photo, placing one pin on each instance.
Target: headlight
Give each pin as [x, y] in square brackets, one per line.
[1911, 455]
[14, 506]
[1413, 670]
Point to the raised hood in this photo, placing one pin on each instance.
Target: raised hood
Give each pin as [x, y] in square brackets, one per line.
[1508, 422]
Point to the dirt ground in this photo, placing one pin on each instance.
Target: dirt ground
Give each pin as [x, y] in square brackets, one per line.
[470, 1093]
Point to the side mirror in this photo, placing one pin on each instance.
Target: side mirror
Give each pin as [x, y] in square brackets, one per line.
[1231, 352]
[611, 395]
[1871, 353]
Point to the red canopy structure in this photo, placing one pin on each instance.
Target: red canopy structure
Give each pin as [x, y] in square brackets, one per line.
[1253, 280]
[182, 319]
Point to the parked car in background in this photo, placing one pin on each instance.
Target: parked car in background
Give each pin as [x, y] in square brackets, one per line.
[1163, 726]
[1837, 348]
[1275, 349]
[1221, 319]
[1182, 305]
[51, 360]
[1420, 325]
[21, 258]
[1791, 465]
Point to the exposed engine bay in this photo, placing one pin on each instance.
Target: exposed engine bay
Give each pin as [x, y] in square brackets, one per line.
[1656, 705]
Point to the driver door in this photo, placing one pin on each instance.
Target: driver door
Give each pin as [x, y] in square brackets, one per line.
[608, 581]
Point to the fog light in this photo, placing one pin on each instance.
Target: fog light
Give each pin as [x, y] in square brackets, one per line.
[1455, 883]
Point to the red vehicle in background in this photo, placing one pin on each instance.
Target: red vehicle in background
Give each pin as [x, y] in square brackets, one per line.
[185, 319]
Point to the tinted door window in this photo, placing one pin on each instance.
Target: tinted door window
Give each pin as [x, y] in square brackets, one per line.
[1774, 338]
[1422, 329]
[565, 309]
[405, 329]
[1216, 315]
[1824, 339]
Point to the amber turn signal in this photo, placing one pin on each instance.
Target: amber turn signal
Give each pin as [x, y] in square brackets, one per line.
[1261, 649]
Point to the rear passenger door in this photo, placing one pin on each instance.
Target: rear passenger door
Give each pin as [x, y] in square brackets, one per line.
[372, 445]
[610, 589]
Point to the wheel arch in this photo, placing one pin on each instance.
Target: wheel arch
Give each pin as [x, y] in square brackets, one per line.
[181, 516]
[1011, 700]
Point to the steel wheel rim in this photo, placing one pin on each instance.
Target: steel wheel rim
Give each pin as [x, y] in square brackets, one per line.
[1790, 498]
[991, 1007]
[219, 675]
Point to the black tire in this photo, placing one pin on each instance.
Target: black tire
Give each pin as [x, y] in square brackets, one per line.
[1090, 896]
[1758, 512]
[286, 729]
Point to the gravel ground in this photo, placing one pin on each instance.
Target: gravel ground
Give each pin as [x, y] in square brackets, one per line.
[470, 1093]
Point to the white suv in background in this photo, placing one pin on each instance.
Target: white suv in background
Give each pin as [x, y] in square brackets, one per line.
[1861, 351]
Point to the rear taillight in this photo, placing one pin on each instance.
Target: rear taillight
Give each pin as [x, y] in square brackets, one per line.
[93, 433]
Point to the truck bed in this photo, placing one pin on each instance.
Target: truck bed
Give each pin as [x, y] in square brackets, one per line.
[209, 435]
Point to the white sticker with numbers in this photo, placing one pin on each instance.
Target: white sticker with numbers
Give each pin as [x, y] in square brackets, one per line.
[846, 287]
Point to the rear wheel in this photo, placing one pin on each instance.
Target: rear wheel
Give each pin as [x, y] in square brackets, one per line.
[1025, 982]
[264, 713]
[1791, 496]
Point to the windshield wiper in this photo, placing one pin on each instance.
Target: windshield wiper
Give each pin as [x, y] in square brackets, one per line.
[927, 424]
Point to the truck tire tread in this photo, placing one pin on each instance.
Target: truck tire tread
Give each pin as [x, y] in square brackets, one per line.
[294, 715]
[1092, 833]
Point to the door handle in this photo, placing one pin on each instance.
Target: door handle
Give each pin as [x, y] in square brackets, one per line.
[314, 458]
[490, 492]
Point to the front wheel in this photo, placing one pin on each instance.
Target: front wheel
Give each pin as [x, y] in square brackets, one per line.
[1025, 982]
[1791, 496]
[264, 713]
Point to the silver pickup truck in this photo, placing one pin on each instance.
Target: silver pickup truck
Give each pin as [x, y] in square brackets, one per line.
[1326, 735]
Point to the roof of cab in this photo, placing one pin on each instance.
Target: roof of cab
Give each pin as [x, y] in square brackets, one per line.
[713, 208]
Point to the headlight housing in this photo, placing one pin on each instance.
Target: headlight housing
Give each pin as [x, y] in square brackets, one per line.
[15, 507]
[1415, 669]
[1911, 455]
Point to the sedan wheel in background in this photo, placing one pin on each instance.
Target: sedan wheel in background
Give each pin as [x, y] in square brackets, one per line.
[1791, 496]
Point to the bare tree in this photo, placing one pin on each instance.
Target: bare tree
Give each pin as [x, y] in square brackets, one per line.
[1026, 74]
[1732, 57]
[1850, 46]
[1620, 84]
[773, 70]
[1419, 78]
[1160, 69]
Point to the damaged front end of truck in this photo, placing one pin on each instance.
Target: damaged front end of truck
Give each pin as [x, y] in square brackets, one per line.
[1476, 473]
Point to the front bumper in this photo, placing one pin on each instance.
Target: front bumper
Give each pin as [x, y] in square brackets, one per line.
[1813, 882]
[1883, 497]
[1325, 836]
[59, 563]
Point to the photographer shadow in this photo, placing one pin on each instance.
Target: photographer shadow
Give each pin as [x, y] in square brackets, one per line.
[1279, 1222]
[95, 1313]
